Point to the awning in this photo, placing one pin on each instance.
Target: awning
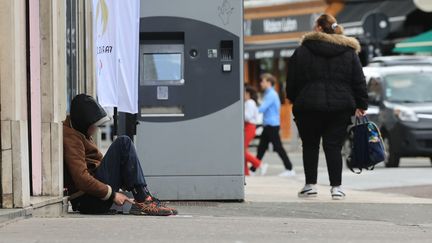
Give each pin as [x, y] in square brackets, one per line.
[419, 43]
[351, 17]
[272, 50]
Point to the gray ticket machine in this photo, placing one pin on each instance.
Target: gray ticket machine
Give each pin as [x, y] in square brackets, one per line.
[189, 133]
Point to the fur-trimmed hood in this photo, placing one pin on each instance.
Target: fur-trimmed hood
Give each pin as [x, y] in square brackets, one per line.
[329, 44]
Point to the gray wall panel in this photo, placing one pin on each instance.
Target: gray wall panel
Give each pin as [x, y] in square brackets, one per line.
[212, 14]
[198, 187]
[211, 145]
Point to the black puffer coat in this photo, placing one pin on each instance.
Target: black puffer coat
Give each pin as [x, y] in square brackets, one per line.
[325, 75]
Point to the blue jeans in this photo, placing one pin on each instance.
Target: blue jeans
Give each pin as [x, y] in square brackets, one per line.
[120, 168]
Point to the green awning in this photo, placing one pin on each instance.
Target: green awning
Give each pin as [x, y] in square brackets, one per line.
[419, 43]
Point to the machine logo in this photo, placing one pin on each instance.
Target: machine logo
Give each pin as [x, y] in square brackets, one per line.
[225, 12]
[102, 11]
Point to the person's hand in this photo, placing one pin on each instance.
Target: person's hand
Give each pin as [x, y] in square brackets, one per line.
[360, 113]
[120, 199]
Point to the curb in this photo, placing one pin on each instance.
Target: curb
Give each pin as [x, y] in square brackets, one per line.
[48, 207]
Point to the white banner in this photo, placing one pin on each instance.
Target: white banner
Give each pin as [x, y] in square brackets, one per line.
[116, 38]
[128, 19]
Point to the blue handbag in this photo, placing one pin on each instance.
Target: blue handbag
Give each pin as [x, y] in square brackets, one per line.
[367, 146]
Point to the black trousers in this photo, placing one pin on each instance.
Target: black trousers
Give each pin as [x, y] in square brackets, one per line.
[332, 128]
[120, 168]
[270, 134]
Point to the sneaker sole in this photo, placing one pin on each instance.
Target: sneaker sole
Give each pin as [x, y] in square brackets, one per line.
[141, 213]
[264, 169]
[154, 215]
[338, 198]
[308, 195]
[287, 176]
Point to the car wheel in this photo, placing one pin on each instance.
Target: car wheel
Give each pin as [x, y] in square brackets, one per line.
[392, 159]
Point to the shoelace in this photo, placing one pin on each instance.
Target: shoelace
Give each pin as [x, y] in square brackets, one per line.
[150, 208]
[157, 201]
[161, 204]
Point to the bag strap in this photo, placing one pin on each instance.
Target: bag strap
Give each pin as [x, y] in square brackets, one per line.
[361, 120]
[352, 169]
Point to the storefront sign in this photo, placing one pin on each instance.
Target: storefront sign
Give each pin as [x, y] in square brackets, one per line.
[279, 25]
[297, 23]
[262, 54]
[354, 31]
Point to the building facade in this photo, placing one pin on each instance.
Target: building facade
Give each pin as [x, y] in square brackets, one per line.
[43, 63]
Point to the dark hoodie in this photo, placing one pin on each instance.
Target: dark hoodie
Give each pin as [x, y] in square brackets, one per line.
[325, 74]
[84, 112]
[81, 155]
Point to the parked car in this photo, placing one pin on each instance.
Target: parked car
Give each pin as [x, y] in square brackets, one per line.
[400, 101]
[387, 61]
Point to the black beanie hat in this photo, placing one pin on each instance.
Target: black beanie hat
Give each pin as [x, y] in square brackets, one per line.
[86, 111]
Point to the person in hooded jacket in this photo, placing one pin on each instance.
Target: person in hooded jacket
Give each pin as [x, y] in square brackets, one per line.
[326, 85]
[92, 180]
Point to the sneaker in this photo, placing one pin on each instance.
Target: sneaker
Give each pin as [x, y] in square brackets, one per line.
[337, 193]
[150, 209]
[159, 203]
[263, 168]
[308, 191]
[287, 173]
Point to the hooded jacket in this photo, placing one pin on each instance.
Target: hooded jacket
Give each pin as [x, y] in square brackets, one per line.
[81, 156]
[325, 74]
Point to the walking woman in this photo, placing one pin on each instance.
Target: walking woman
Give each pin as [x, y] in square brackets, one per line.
[327, 86]
[251, 119]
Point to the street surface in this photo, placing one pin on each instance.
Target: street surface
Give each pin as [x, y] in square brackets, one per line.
[384, 205]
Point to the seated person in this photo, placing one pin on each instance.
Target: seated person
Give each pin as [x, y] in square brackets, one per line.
[93, 180]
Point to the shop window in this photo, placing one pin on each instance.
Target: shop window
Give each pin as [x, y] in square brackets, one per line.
[77, 26]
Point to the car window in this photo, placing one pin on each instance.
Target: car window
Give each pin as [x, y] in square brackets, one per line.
[375, 64]
[374, 88]
[409, 87]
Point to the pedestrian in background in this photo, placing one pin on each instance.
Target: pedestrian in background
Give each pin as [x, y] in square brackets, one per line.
[251, 119]
[270, 108]
[327, 86]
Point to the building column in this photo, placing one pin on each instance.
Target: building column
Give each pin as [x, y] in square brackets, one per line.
[34, 102]
[90, 57]
[15, 179]
[53, 93]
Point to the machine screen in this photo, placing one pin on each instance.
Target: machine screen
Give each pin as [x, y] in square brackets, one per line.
[162, 66]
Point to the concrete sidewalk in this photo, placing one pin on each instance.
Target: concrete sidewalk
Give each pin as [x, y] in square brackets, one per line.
[277, 189]
[271, 213]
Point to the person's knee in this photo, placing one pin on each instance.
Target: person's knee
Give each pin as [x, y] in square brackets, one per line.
[122, 142]
[278, 147]
[124, 139]
[332, 146]
[263, 147]
[311, 146]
